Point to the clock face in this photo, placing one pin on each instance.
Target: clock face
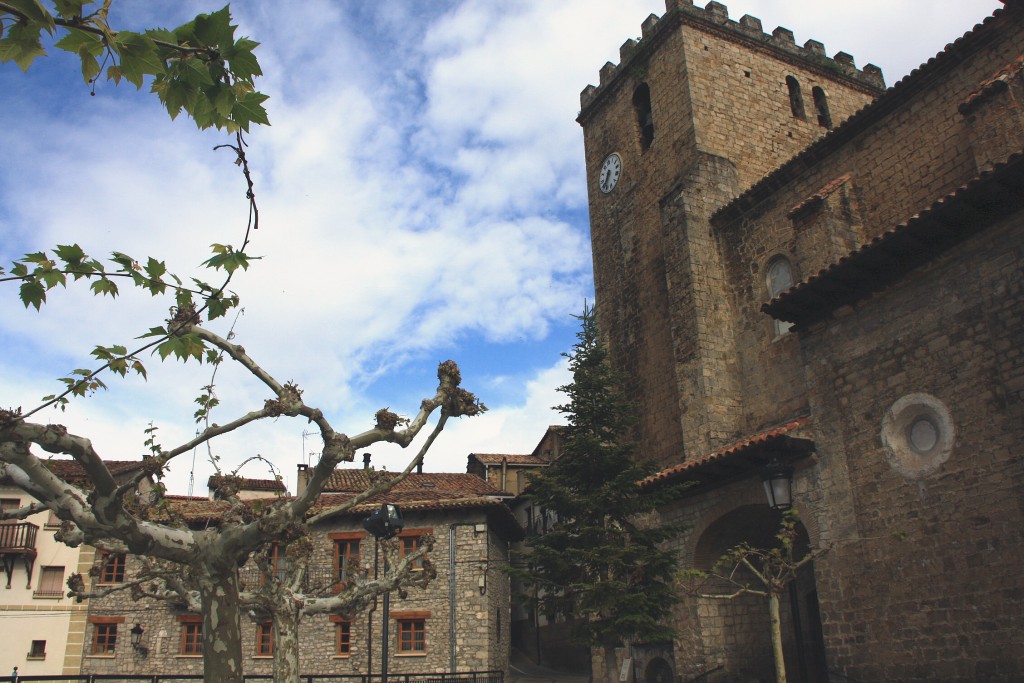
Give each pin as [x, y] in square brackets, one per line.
[610, 171]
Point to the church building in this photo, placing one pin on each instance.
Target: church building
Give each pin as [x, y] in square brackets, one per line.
[795, 265]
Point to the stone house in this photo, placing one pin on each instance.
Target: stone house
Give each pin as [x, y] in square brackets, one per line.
[44, 629]
[460, 622]
[794, 263]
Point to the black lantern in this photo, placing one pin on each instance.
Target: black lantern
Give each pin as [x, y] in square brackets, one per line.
[778, 484]
[384, 523]
[137, 645]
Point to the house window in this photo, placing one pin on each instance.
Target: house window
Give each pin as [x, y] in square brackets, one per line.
[38, 650]
[104, 635]
[342, 636]
[410, 544]
[346, 557]
[7, 504]
[191, 636]
[779, 279]
[821, 107]
[111, 568]
[265, 639]
[52, 520]
[278, 562]
[51, 583]
[412, 636]
[796, 99]
[644, 114]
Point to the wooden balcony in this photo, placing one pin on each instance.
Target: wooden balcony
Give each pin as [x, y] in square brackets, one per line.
[18, 539]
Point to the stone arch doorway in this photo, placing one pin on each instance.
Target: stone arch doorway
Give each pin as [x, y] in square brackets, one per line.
[658, 671]
[736, 632]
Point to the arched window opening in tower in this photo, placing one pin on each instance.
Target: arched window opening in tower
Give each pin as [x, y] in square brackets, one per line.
[779, 279]
[821, 107]
[796, 99]
[644, 116]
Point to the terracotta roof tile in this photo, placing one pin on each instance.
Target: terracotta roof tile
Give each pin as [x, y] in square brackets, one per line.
[357, 480]
[948, 221]
[250, 484]
[743, 445]
[72, 472]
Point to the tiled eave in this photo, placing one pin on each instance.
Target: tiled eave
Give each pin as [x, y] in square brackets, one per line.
[947, 222]
[740, 460]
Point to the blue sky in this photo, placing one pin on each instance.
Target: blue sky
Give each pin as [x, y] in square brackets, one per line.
[422, 197]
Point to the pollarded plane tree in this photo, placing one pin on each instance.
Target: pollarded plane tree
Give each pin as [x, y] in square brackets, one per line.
[202, 69]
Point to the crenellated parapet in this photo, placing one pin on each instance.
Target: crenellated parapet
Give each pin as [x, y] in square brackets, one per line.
[714, 18]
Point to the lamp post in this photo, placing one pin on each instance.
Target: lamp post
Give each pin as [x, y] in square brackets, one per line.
[383, 524]
[777, 478]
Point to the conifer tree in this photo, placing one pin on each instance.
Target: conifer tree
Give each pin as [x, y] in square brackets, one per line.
[601, 563]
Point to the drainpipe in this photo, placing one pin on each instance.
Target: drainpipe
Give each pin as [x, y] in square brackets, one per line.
[504, 474]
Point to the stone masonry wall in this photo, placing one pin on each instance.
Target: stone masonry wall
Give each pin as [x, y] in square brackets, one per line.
[717, 90]
[481, 615]
[925, 582]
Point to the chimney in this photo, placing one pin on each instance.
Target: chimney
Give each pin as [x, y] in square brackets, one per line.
[366, 461]
[302, 479]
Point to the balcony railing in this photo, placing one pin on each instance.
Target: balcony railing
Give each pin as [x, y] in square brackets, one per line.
[318, 579]
[18, 537]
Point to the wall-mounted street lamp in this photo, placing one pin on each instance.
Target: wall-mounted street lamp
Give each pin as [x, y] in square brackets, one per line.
[137, 645]
[778, 484]
[383, 524]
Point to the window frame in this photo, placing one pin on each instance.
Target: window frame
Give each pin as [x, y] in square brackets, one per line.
[34, 654]
[112, 568]
[342, 636]
[39, 592]
[412, 537]
[104, 636]
[411, 633]
[346, 563]
[191, 643]
[264, 639]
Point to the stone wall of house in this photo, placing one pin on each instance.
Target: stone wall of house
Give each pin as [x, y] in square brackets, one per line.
[481, 612]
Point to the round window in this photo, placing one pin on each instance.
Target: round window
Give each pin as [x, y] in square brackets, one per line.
[917, 435]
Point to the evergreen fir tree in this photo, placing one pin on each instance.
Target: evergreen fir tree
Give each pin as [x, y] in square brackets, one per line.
[598, 565]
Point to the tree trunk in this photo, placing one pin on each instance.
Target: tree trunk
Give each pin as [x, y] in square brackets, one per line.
[776, 624]
[286, 643]
[222, 634]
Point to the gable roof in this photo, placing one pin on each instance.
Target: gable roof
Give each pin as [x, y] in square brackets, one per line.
[510, 458]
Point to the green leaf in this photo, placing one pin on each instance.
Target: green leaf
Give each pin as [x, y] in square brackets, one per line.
[32, 294]
[104, 286]
[21, 45]
[249, 109]
[76, 39]
[35, 12]
[90, 67]
[224, 100]
[154, 332]
[241, 60]
[139, 56]
[69, 9]
[71, 254]
[215, 29]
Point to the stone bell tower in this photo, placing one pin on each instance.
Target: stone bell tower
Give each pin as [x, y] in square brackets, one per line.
[696, 111]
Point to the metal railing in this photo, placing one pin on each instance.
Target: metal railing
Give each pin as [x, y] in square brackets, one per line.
[18, 536]
[457, 677]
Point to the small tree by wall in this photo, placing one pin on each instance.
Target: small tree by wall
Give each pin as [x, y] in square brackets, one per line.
[745, 570]
[600, 564]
